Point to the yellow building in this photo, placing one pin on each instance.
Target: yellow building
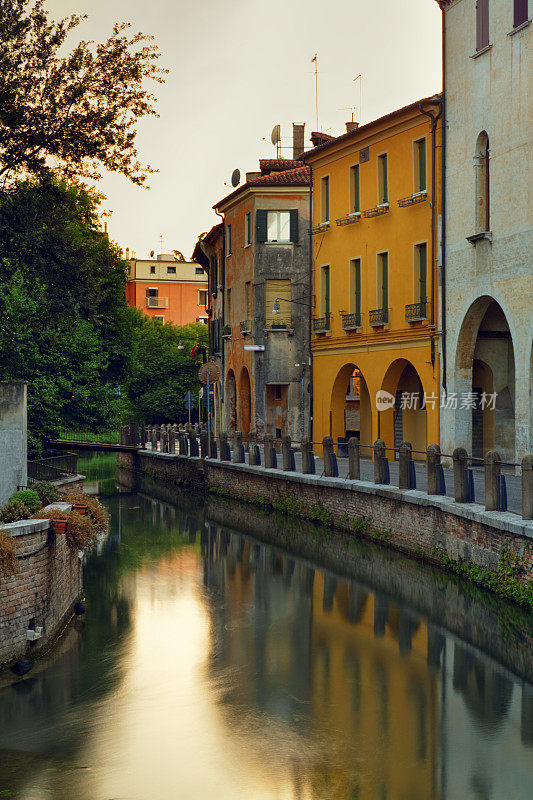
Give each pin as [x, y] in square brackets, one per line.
[376, 217]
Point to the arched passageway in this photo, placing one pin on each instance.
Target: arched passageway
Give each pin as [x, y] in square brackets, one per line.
[351, 412]
[230, 402]
[407, 420]
[245, 402]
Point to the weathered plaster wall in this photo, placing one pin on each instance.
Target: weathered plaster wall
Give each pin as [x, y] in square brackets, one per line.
[13, 437]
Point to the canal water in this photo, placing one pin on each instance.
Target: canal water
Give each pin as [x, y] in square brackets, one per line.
[213, 665]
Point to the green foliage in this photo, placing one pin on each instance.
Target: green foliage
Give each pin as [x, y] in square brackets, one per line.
[29, 497]
[48, 493]
[14, 511]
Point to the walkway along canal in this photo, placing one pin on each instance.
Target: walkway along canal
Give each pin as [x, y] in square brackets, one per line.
[231, 653]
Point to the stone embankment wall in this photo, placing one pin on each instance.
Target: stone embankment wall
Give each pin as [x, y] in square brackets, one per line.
[428, 527]
[42, 593]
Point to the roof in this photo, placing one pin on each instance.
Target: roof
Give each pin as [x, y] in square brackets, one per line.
[216, 232]
[356, 134]
[300, 176]
[268, 165]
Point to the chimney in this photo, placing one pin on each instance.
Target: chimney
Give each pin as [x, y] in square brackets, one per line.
[127, 253]
[351, 126]
[297, 140]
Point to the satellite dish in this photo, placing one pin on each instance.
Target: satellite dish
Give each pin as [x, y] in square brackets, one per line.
[275, 136]
[235, 177]
[151, 253]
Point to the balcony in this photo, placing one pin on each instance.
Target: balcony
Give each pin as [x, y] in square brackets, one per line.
[354, 216]
[157, 302]
[383, 208]
[322, 228]
[246, 327]
[350, 322]
[379, 316]
[278, 324]
[322, 324]
[413, 199]
[416, 311]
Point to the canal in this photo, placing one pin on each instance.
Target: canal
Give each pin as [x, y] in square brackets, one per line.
[218, 660]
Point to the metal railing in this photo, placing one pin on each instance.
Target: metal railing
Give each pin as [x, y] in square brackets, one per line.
[353, 216]
[157, 302]
[413, 199]
[378, 316]
[53, 468]
[351, 322]
[416, 311]
[246, 326]
[86, 436]
[322, 324]
[278, 323]
[377, 211]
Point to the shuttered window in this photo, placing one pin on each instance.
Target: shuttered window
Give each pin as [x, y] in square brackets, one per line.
[420, 166]
[280, 291]
[355, 286]
[421, 256]
[228, 240]
[324, 200]
[482, 24]
[355, 205]
[383, 180]
[520, 12]
[276, 226]
[383, 280]
[324, 294]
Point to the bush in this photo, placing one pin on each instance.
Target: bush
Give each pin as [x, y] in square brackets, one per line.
[29, 497]
[8, 561]
[96, 512]
[14, 511]
[81, 532]
[48, 493]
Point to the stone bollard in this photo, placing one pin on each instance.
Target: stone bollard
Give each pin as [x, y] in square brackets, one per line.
[142, 437]
[223, 447]
[182, 444]
[203, 444]
[164, 440]
[308, 458]
[287, 454]
[379, 462]
[460, 475]
[134, 434]
[254, 457]
[193, 445]
[331, 469]
[153, 439]
[171, 441]
[433, 469]
[271, 461]
[354, 459]
[527, 487]
[157, 429]
[492, 480]
[405, 452]
[237, 456]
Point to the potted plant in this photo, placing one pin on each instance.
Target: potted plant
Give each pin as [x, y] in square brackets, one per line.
[226, 331]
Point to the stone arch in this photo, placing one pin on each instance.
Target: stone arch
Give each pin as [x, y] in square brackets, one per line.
[245, 402]
[485, 352]
[407, 419]
[351, 416]
[230, 402]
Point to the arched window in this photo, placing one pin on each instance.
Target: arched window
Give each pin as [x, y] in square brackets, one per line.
[482, 180]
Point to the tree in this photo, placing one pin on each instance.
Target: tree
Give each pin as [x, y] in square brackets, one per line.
[77, 112]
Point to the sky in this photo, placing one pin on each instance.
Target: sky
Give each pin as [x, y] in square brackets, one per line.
[237, 68]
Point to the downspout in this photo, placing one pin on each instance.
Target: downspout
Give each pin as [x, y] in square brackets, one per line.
[310, 302]
[223, 312]
[443, 231]
[434, 119]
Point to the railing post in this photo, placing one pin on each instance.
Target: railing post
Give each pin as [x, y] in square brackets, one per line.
[143, 436]
[193, 444]
[527, 487]
[331, 469]
[492, 480]
[271, 461]
[433, 462]
[308, 458]
[182, 444]
[154, 439]
[171, 441]
[460, 475]
[404, 465]
[238, 449]
[379, 456]
[287, 454]
[354, 459]
[254, 458]
[203, 444]
[223, 447]
[164, 446]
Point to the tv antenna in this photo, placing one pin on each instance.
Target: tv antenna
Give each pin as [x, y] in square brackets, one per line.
[349, 108]
[275, 138]
[314, 61]
[360, 79]
[235, 178]
[161, 243]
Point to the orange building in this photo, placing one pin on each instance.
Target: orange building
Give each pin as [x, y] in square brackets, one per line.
[168, 289]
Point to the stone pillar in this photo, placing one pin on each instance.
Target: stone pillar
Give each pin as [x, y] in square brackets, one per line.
[142, 434]
[223, 447]
[492, 480]
[238, 449]
[405, 452]
[271, 461]
[203, 445]
[354, 459]
[379, 455]
[171, 441]
[331, 469]
[287, 454]
[527, 487]
[460, 475]
[432, 463]
[154, 439]
[308, 458]
[252, 445]
[164, 441]
[182, 444]
[193, 445]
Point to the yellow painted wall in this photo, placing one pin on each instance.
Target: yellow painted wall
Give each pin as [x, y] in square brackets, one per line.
[380, 353]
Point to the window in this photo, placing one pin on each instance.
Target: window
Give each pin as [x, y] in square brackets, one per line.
[228, 240]
[213, 278]
[158, 318]
[228, 308]
[355, 205]
[324, 200]
[383, 281]
[197, 270]
[421, 256]
[324, 291]
[482, 24]
[248, 299]
[383, 180]
[152, 270]
[202, 320]
[482, 179]
[278, 226]
[277, 391]
[202, 297]
[248, 229]
[280, 291]
[152, 292]
[171, 270]
[520, 13]
[355, 286]
[420, 165]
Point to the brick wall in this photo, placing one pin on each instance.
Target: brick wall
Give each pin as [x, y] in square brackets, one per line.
[44, 590]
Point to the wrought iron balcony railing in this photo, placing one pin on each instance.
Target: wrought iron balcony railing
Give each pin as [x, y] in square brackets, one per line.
[322, 324]
[350, 322]
[413, 199]
[354, 216]
[321, 228]
[416, 311]
[278, 323]
[246, 327]
[379, 316]
[383, 208]
[157, 302]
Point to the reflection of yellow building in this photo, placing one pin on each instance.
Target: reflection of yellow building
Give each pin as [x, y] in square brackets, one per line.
[376, 206]
[377, 708]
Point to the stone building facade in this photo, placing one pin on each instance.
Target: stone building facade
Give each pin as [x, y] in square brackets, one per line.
[487, 275]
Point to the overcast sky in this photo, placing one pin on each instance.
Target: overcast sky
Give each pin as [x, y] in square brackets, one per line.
[237, 68]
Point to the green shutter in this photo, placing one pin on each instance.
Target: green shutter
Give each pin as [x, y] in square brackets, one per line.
[385, 280]
[261, 225]
[385, 180]
[355, 189]
[357, 287]
[294, 225]
[326, 293]
[422, 165]
[422, 269]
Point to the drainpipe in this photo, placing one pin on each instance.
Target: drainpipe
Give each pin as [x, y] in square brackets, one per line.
[310, 302]
[223, 313]
[443, 233]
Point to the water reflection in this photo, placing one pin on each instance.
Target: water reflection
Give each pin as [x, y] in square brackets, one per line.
[212, 665]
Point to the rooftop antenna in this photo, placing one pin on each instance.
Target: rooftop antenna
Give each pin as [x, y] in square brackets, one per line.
[161, 242]
[275, 138]
[349, 108]
[360, 79]
[315, 62]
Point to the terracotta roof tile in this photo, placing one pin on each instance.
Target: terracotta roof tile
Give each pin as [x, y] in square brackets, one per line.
[300, 176]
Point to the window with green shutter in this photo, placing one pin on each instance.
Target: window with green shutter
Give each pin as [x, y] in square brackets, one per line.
[420, 166]
[383, 280]
[261, 225]
[383, 180]
[355, 284]
[355, 205]
[421, 270]
[294, 225]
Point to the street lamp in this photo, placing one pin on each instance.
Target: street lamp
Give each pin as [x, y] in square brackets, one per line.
[300, 300]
